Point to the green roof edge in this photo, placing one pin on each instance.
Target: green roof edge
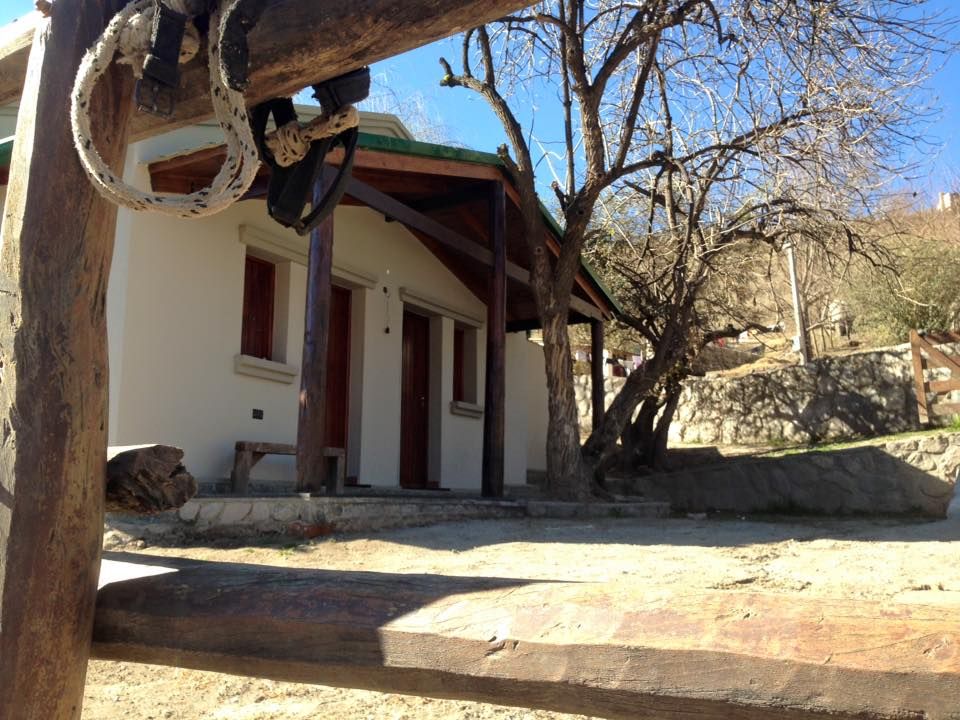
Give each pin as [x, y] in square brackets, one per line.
[371, 141]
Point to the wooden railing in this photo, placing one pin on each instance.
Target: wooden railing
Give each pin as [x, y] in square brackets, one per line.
[926, 355]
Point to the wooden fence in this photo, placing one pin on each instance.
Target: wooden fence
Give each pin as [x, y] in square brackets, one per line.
[926, 356]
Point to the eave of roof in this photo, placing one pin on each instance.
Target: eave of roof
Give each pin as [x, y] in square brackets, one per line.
[383, 143]
[369, 141]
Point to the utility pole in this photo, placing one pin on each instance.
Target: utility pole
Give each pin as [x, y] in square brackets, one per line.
[800, 341]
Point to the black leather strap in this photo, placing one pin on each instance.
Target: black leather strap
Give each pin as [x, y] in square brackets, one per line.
[161, 68]
[291, 188]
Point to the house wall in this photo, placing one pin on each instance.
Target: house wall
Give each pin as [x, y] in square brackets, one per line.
[174, 322]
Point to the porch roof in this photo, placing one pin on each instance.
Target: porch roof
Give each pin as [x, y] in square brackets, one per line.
[439, 193]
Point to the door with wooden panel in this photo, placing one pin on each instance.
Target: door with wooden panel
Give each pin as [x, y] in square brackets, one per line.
[338, 370]
[415, 401]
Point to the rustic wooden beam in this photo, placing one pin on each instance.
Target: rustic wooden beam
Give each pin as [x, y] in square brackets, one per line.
[606, 650]
[311, 460]
[415, 220]
[55, 252]
[299, 43]
[596, 372]
[495, 393]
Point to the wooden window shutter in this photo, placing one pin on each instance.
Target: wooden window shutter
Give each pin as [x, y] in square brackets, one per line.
[259, 282]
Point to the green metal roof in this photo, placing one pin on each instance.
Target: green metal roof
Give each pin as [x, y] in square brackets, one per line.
[383, 143]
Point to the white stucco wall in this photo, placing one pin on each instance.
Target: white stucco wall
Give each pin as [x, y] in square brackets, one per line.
[174, 321]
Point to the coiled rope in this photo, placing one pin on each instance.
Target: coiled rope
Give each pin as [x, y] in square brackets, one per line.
[128, 34]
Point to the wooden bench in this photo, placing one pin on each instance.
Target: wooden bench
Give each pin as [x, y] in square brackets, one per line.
[249, 454]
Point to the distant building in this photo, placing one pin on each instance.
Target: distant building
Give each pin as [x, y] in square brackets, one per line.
[948, 201]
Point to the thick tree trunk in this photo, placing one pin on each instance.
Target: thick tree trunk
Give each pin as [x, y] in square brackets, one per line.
[658, 440]
[567, 478]
[633, 452]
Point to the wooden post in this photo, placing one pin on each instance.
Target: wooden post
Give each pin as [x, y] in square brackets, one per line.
[494, 412]
[312, 464]
[919, 378]
[596, 371]
[55, 253]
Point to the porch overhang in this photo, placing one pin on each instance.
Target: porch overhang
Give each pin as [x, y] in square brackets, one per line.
[441, 195]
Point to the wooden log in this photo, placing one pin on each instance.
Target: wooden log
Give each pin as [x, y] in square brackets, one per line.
[148, 479]
[55, 252]
[299, 43]
[596, 649]
[495, 394]
[312, 465]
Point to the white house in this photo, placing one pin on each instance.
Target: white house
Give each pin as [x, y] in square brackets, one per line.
[206, 317]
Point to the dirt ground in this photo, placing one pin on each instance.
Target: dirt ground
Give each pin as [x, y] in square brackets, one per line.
[878, 559]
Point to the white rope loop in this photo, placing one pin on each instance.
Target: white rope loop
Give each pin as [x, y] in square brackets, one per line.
[291, 142]
[238, 170]
[129, 34]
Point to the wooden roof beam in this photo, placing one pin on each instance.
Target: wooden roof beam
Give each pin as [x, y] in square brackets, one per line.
[296, 43]
[406, 215]
[591, 648]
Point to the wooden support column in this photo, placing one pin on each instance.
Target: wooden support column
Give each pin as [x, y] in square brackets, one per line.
[55, 253]
[596, 371]
[312, 464]
[494, 412]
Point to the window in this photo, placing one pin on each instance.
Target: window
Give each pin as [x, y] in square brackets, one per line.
[464, 370]
[259, 284]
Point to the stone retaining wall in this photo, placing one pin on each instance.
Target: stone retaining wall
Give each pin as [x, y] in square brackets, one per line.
[912, 476]
[858, 395]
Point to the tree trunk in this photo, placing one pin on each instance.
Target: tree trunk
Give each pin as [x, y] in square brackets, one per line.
[660, 436]
[633, 439]
[567, 478]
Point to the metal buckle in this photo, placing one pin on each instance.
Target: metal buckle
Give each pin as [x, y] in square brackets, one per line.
[154, 98]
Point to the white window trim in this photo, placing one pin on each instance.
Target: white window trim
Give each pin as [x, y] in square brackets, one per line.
[466, 409]
[277, 247]
[438, 307]
[265, 369]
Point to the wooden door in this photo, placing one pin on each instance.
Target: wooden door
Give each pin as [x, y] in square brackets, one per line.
[338, 370]
[414, 403]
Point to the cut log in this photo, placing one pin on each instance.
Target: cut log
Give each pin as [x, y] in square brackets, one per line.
[574, 647]
[296, 44]
[55, 252]
[148, 479]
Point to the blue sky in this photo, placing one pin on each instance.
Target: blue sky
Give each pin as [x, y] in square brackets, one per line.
[460, 117]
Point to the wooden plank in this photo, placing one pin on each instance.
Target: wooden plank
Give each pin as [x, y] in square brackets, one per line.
[414, 220]
[598, 649]
[15, 41]
[942, 386]
[597, 392]
[942, 409]
[267, 448]
[312, 466]
[285, 58]
[937, 358]
[923, 410]
[55, 252]
[495, 393]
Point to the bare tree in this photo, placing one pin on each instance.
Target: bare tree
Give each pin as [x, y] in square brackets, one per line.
[735, 121]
